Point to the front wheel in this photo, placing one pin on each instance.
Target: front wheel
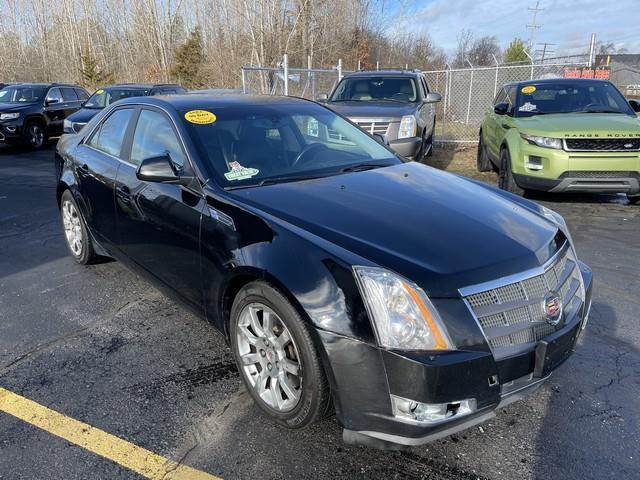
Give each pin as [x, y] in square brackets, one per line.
[276, 357]
[34, 135]
[506, 181]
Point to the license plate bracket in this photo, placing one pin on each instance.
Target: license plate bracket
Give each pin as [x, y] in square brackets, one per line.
[553, 351]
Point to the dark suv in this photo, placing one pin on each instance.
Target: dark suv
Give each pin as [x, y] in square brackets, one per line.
[105, 96]
[33, 112]
[394, 103]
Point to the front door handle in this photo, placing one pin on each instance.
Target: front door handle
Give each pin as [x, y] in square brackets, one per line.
[123, 193]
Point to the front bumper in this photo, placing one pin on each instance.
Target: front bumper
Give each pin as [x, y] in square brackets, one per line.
[407, 147]
[365, 376]
[10, 131]
[547, 169]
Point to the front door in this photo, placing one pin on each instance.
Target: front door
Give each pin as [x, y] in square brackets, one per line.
[159, 223]
[54, 111]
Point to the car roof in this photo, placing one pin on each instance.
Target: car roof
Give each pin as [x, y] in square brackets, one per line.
[383, 73]
[43, 84]
[543, 81]
[190, 101]
[141, 85]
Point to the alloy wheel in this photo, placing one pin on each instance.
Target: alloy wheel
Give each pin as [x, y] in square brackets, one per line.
[36, 135]
[269, 357]
[72, 227]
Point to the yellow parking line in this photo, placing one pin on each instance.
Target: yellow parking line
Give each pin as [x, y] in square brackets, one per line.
[135, 458]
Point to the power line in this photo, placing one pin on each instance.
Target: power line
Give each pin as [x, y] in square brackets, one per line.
[533, 26]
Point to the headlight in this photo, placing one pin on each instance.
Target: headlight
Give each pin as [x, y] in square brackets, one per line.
[407, 127]
[9, 116]
[402, 314]
[559, 220]
[547, 142]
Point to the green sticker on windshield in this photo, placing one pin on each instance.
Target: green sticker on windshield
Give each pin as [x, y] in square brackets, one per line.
[238, 172]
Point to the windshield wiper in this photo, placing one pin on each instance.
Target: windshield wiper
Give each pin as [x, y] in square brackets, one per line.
[361, 167]
[600, 110]
[275, 180]
[347, 100]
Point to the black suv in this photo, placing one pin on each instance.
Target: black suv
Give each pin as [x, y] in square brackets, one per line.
[395, 104]
[105, 96]
[33, 112]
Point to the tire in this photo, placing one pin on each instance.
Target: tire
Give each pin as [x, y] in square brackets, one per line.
[482, 159]
[76, 234]
[505, 174]
[34, 135]
[278, 362]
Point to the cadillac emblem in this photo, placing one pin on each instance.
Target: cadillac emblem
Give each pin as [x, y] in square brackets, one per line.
[552, 307]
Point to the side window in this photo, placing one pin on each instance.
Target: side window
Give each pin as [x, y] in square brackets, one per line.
[82, 95]
[511, 96]
[69, 94]
[425, 88]
[54, 95]
[154, 136]
[500, 97]
[109, 136]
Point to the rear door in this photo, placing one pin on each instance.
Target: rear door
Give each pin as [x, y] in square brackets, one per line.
[97, 160]
[71, 100]
[159, 223]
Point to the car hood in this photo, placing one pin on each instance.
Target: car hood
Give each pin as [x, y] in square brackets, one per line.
[372, 109]
[437, 229]
[15, 107]
[583, 124]
[83, 115]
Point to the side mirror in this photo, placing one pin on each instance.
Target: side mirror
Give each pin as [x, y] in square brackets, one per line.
[635, 104]
[382, 138]
[51, 101]
[433, 98]
[322, 98]
[161, 170]
[501, 108]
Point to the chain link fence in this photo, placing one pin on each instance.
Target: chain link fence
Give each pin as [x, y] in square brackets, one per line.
[467, 93]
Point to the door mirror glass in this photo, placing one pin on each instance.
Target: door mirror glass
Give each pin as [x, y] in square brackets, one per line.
[322, 98]
[433, 98]
[161, 169]
[382, 138]
[501, 108]
[635, 104]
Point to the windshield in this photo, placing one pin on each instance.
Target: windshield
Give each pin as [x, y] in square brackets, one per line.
[104, 98]
[21, 93]
[253, 145]
[375, 89]
[568, 97]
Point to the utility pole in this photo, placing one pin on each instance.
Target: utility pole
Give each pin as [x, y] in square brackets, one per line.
[544, 50]
[533, 26]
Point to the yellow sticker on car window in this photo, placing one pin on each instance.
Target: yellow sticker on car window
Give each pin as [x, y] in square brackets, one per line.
[528, 89]
[200, 117]
[99, 91]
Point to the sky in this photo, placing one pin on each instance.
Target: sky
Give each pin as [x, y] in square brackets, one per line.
[567, 23]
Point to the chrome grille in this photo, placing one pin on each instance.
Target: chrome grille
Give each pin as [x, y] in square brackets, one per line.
[603, 144]
[373, 125]
[512, 315]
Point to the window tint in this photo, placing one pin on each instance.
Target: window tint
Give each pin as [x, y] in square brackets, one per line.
[54, 94]
[69, 95]
[154, 137]
[108, 138]
[82, 95]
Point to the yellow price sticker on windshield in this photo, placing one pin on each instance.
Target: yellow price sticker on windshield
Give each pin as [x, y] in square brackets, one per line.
[200, 117]
[528, 89]
[99, 91]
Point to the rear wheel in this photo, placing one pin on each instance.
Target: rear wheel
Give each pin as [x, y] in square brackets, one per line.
[34, 135]
[505, 174]
[75, 231]
[276, 357]
[482, 159]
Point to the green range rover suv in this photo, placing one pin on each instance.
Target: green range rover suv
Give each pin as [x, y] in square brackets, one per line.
[562, 135]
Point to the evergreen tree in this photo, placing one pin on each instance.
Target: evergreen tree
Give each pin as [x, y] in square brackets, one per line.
[516, 51]
[188, 61]
[91, 75]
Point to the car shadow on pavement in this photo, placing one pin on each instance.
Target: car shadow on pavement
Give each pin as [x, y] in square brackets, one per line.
[590, 426]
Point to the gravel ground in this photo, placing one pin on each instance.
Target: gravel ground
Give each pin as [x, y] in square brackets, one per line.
[103, 346]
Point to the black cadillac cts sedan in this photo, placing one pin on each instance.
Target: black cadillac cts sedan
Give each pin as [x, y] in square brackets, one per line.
[410, 301]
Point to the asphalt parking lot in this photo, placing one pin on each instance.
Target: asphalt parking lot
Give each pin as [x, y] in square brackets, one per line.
[101, 346]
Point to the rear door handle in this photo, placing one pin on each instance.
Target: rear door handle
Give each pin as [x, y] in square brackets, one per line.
[123, 193]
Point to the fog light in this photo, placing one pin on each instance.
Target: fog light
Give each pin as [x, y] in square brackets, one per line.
[534, 163]
[411, 411]
[11, 129]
